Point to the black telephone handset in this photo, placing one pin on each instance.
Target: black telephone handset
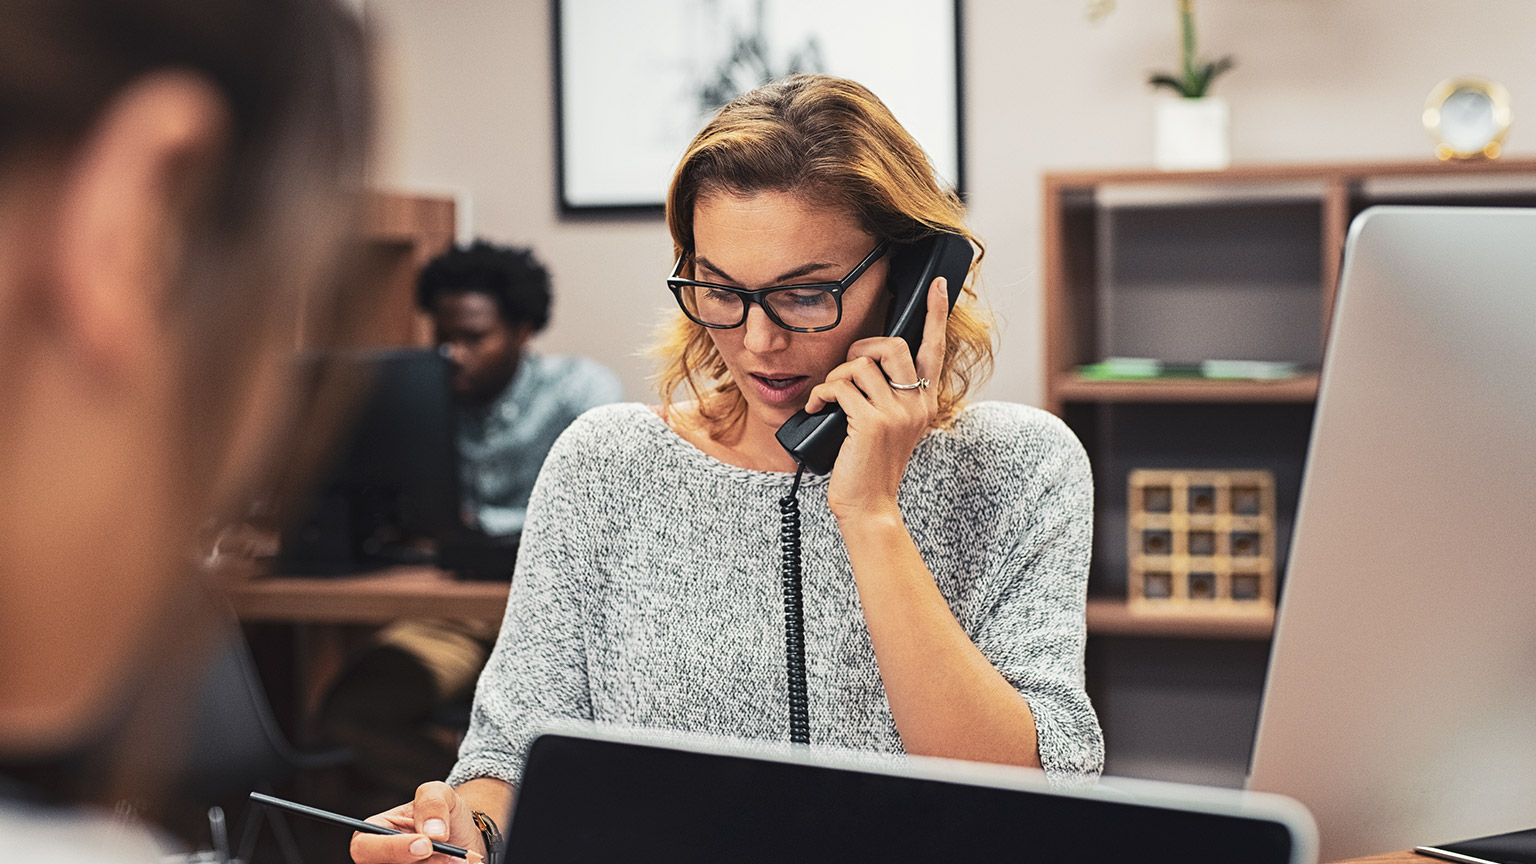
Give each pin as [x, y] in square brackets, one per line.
[815, 439]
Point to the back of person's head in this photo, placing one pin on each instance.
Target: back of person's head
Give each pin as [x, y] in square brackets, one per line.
[177, 178]
[836, 144]
[511, 276]
[261, 218]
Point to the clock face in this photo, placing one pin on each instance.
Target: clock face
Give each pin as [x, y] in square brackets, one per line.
[1468, 117]
[1467, 121]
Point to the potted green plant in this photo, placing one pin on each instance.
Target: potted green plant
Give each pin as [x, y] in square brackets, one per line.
[1191, 130]
[1195, 76]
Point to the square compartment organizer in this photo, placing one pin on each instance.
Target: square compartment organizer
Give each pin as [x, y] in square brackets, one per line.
[1201, 540]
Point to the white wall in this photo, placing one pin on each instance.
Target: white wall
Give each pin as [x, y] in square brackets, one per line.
[469, 108]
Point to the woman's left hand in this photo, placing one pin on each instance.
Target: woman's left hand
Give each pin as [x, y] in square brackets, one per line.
[884, 424]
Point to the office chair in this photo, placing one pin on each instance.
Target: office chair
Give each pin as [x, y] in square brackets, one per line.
[236, 745]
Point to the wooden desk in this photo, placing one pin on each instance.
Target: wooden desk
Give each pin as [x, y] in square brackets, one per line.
[374, 598]
[1408, 857]
[324, 608]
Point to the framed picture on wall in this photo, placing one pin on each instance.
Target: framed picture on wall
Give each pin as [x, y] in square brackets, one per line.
[636, 81]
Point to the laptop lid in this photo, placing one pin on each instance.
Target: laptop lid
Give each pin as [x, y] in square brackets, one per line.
[1400, 705]
[604, 797]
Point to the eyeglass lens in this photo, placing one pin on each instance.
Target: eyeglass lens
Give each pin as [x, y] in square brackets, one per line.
[792, 307]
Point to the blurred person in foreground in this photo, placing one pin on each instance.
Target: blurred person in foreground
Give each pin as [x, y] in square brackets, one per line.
[176, 180]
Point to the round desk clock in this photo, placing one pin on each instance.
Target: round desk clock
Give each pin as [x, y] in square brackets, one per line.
[1468, 117]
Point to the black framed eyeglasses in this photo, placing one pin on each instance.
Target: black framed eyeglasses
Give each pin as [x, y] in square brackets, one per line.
[809, 308]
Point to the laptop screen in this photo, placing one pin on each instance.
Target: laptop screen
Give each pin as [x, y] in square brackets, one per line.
[601, 799]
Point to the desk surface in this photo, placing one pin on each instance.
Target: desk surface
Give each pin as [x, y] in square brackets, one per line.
[1408, 857]
[373, 598]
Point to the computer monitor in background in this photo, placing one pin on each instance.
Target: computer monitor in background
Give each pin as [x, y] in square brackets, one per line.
[391, 492]
[1400, 705]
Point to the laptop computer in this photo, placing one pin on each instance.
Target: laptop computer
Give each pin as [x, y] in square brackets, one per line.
[1400, 705]
[601, 796]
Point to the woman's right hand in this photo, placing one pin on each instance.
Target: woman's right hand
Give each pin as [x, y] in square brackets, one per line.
[437, 813]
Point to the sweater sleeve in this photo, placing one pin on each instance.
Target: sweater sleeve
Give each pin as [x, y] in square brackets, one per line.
[536, 676]
[1033, 627]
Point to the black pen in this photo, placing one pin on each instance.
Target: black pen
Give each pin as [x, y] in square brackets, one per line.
[348, 821]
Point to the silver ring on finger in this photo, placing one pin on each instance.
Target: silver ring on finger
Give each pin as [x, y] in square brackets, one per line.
[919, 384]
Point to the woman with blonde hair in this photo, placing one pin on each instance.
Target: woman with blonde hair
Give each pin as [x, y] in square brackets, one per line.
[944, 559]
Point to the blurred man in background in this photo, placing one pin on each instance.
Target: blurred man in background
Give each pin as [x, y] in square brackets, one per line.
[393, 706]
[487, 301]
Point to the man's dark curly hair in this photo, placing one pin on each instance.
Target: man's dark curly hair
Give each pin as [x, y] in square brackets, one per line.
[512, 277]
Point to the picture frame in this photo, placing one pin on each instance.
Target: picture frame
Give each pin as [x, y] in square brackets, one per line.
[634, 82]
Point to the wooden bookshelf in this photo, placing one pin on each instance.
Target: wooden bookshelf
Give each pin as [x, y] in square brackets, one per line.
[1184, 267]
[401, 233]
[405, 231]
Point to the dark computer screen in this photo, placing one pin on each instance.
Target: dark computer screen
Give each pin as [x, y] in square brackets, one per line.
[590, 799]
[391, 489]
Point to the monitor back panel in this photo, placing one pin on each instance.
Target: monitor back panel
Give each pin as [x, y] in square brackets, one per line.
[590, 798]
[1400, 706]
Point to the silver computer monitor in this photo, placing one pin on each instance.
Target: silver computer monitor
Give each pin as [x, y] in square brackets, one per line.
[1400, 706]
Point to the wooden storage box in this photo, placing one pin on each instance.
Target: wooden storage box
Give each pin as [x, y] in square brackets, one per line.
[1201, 540]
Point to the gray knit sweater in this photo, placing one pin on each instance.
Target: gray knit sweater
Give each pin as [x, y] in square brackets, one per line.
[647, 590]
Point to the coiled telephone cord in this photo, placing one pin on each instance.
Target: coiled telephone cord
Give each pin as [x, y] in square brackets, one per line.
[794, 615]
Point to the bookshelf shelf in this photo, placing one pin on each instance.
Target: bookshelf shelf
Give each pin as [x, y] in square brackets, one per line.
[1071, 387]
[1115, 617]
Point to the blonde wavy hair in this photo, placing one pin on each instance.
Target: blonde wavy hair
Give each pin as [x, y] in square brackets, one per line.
[832, 141]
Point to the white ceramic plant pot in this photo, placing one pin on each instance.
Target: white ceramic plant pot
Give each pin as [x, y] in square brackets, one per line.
[1192, 134]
